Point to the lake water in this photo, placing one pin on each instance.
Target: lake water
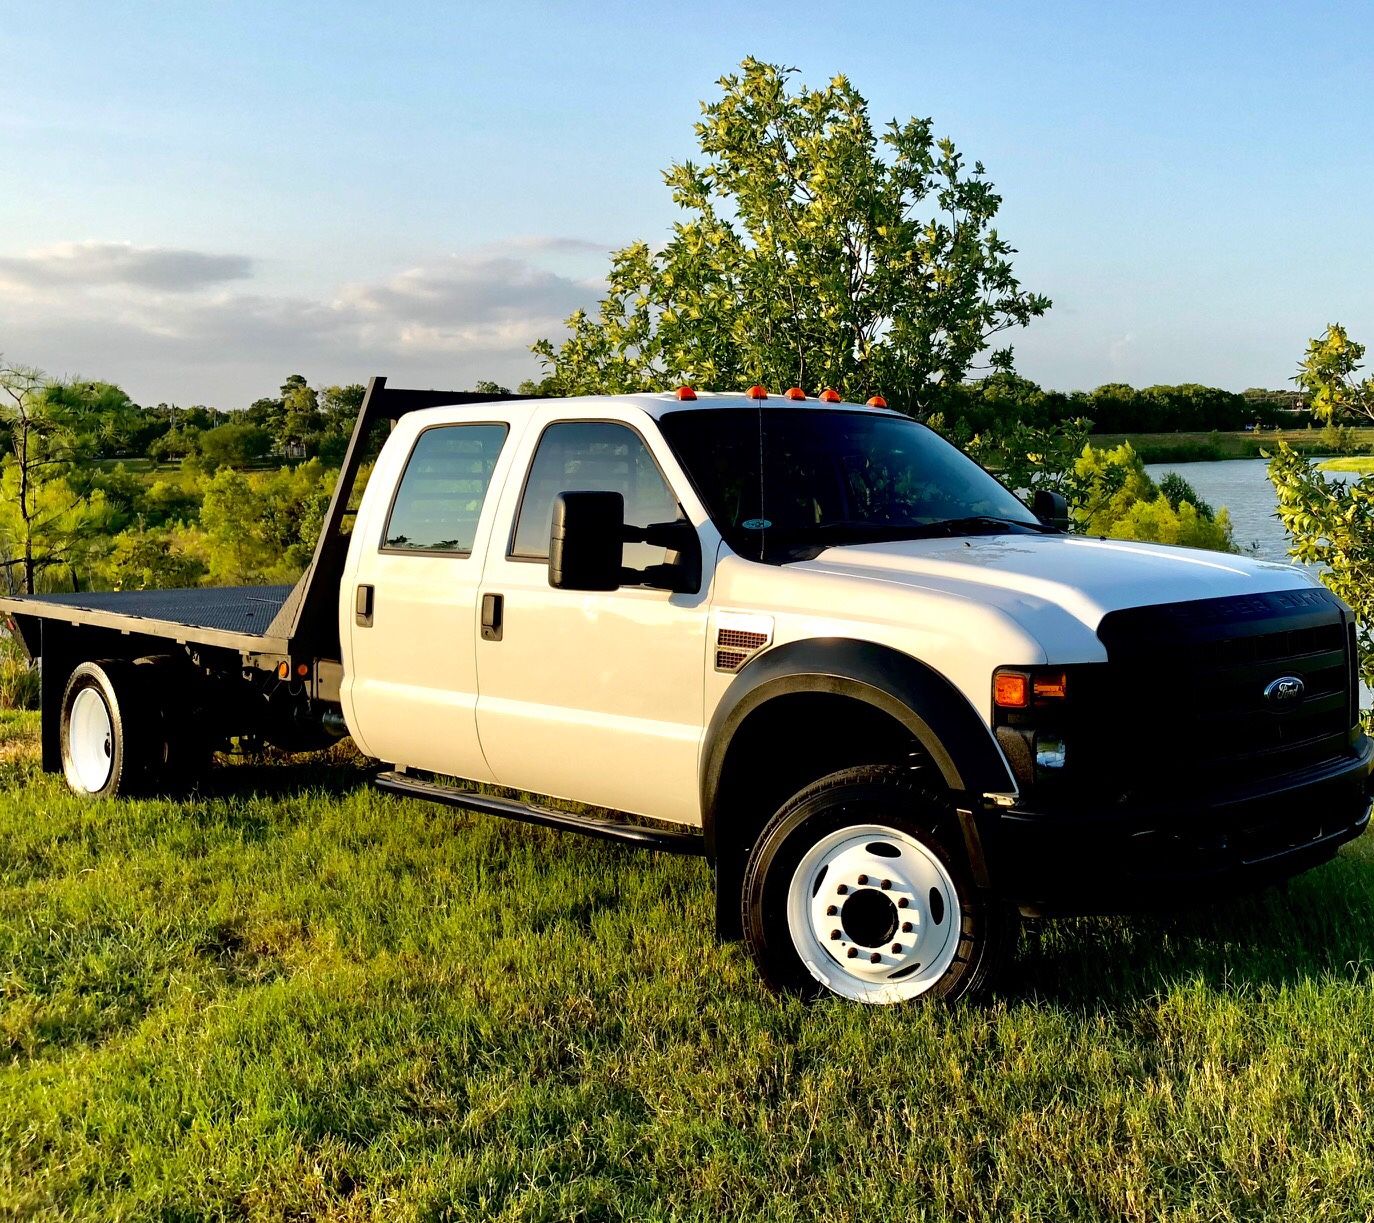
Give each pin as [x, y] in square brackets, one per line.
[1242, 486]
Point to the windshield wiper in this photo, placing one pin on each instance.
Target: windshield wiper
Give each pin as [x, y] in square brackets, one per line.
[964, 526]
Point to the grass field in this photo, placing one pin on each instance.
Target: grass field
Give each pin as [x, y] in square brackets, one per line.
[293, 997]
[1359, 464]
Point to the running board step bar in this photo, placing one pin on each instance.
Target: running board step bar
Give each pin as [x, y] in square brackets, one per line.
[530, 813]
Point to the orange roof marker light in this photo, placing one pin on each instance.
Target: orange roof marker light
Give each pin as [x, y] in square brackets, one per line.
[794, 392]
[877, 402]
[686, 392]
[757, 391]
[829, 395]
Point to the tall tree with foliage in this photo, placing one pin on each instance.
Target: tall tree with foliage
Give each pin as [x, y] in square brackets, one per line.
[816, 252]
[1331, 524]
[51, 509]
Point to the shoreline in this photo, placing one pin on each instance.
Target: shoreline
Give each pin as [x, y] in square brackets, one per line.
[1218, 447]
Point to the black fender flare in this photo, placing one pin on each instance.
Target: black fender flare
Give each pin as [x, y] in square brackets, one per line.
[938, 715]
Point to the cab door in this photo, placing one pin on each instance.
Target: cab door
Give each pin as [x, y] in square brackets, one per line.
[410, 597]
[594, 696]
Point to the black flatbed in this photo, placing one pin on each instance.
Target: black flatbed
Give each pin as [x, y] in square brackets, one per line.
[238, 617]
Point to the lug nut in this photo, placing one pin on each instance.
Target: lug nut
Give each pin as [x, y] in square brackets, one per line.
[862, 880]
[830, 910]
[896, 949]
[903, 902]
[887, 884]
[875, 958]
[906, 927]
[834, 934]
[842, 889]
[853, 951]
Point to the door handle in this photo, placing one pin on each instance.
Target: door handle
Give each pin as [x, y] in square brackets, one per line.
[362, 607]
[493, 617]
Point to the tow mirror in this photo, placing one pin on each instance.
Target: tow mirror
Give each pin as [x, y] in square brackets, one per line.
[1051, 508]
[586, 541]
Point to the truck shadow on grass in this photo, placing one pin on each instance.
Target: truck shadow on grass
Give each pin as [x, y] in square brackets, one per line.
[283, 775]
[1318, 927]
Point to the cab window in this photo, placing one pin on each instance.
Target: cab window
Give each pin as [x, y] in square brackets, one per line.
[440, 496]
[593, 456]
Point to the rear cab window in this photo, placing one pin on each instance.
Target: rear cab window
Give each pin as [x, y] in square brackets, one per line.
[440, 495]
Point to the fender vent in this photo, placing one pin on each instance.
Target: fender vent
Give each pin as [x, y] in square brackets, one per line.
[739, 637]
[730, 660]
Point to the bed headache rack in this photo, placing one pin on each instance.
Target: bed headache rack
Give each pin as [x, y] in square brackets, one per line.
[309, 618]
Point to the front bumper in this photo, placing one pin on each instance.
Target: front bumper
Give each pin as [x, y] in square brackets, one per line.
[1065, 859]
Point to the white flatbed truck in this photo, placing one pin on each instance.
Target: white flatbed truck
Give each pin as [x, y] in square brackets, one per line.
[810, 640]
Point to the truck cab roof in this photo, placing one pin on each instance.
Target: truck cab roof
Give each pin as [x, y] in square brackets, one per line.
[657, 404]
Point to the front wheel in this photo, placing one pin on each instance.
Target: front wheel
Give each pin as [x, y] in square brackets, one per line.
[859, 887]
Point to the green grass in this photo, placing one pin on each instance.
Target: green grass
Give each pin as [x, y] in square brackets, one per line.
[295, 997]
[1363, 465]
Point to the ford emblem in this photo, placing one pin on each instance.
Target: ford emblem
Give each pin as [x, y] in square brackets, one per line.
[1284, 690]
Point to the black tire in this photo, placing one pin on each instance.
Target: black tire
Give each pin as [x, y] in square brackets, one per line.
[926, 830]
[131, 743]
[183, 752]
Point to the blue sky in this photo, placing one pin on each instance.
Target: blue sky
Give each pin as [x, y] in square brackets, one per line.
[201, 199]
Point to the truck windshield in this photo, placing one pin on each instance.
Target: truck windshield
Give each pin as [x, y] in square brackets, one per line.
[784, 483]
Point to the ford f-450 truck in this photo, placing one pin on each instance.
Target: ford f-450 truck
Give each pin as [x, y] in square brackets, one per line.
[810, 640]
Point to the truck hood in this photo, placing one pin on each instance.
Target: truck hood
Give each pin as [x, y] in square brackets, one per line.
[1085, 577]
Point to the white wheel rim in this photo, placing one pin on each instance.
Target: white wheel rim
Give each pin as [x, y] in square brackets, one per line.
[869, 880]
[90, 740]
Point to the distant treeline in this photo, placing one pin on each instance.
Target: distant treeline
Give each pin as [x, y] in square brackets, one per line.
[303, 422]
[980, 407]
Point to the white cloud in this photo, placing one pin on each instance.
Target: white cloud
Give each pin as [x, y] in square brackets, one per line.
[167, 325]
[97, 264]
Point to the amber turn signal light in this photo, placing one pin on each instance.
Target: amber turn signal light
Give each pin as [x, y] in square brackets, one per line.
[1010, 690]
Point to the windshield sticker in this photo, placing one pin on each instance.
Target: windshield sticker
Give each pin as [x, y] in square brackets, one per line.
[756, 524]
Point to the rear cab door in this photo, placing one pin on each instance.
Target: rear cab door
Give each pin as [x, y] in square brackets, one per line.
[409, 602]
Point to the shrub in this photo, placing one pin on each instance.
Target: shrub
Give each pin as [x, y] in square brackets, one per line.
[1331, 524]
[19, 679]
[1113, 496]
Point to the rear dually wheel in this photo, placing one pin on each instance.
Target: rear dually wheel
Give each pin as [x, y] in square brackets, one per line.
[104, 739]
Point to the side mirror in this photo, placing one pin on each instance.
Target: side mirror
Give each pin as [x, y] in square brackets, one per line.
[1051, 508]
[586, 541]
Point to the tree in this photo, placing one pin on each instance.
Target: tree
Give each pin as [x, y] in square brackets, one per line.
[301, 406]
[49, 506]
[816, 253]
[339, 407]
[1331, 524]
[1113, 496]
[234, 445]
[112, 424]
[260, 527]
[1329, 373]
